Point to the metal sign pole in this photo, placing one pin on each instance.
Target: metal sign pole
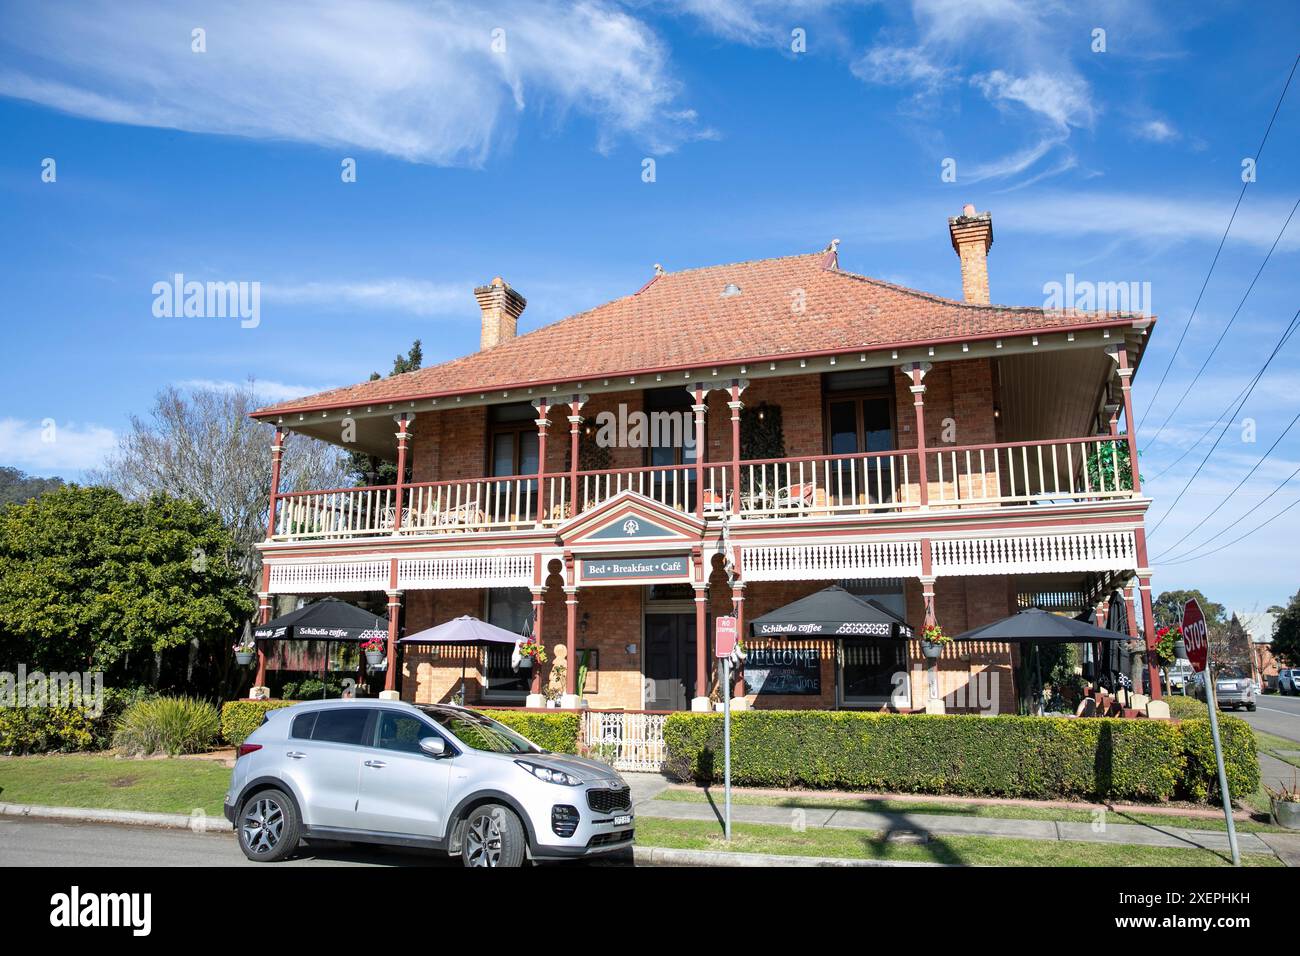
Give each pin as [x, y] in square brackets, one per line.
[1218, 759]
[726, 747]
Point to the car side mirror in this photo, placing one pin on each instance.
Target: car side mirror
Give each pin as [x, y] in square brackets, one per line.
[434, 746]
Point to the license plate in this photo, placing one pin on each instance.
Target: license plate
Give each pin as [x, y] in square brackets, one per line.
[623, 820]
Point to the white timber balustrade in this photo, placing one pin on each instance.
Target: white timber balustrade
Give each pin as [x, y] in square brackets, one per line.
[865, 485]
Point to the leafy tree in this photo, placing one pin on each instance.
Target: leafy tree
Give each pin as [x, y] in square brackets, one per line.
[201, 444]
[1168, 608]
[369, 469]
[89, 580]
[1286, 633]
[17, 486]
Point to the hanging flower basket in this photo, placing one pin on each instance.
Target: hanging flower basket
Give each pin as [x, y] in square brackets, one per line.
[527, 653]
[374, 650]
[933, 641]
[245, 651]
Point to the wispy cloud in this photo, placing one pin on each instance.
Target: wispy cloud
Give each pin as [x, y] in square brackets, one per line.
[438, 82]
[413, 296]
[267, 391]
[50, 447]
[1156, 131]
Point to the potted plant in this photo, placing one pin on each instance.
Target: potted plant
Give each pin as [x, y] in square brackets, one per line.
[245, 651]
[374, 650]
[1286, 803]
[933, 641]
[531, 652]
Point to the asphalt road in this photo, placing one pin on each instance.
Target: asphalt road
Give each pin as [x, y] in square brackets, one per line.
[31, 842]
[34, 842]
[1275, 714]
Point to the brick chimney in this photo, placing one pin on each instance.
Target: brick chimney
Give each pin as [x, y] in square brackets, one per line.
[501, 306]
[972, 234]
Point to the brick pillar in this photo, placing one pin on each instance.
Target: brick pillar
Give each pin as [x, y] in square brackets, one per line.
[263, 616]
[738, 602]
[1144, 592]
[575, 433]
[735, 404]
[699, 393]
[1120, 354]
[1130, 612]
[539, 605]
[394, 616]
[543, 426]
[915, 373]
[571, 642]
[277, 455]
[403, 439]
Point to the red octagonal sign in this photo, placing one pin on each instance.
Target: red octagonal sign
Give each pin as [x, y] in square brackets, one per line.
[1195, 635]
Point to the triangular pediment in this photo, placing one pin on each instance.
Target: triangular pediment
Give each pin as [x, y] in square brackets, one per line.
[631, 518]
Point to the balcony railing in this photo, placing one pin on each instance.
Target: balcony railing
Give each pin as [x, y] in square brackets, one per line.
[1057, 471]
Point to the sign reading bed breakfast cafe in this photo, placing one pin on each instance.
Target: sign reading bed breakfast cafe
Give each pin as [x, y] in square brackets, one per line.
[675, 567]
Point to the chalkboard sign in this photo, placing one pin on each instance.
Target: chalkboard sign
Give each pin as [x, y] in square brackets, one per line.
[783, 670]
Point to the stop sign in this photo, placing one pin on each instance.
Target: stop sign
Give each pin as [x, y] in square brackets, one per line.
[1195, 635]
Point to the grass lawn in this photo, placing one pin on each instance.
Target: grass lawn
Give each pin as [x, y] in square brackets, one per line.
[1277, 747]
[1001, 811]
[964, 850]
[77, 780]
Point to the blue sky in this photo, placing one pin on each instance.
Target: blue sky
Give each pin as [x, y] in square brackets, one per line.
[1121, 165]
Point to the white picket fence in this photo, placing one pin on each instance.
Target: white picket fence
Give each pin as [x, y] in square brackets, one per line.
[626, 741]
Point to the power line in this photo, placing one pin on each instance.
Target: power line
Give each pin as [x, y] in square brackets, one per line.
[1215, 261]
[1200, 524]
[1192, 381]
[1255, 381]
[1191, 554]
[1188, 450]
[1262, 524]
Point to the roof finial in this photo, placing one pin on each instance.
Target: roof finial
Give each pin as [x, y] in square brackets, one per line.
[833, 247]
[659, 270]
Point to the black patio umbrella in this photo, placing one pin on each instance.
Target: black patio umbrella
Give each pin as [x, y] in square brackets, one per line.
[1036, 626]
[328, 619]
[831, 612]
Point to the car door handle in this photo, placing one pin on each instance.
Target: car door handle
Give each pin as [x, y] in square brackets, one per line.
[376, 764]
[295, 754]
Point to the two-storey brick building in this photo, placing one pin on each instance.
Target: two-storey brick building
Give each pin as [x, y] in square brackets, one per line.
[726, 440]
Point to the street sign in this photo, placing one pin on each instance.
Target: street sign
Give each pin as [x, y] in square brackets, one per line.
[1195, 635]
[724, 636]
[1196, 642]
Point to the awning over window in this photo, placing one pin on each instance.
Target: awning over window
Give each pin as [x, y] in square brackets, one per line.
[831, 612]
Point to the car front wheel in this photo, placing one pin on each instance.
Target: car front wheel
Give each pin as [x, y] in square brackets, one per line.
[269, 828]
[493, 837]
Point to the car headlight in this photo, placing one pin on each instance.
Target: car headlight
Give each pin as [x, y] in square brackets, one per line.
[550, 775]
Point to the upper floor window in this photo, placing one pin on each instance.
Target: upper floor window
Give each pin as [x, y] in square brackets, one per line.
[672, 427]
[512, 437]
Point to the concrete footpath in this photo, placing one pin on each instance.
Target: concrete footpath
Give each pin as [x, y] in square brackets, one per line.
[903, 826]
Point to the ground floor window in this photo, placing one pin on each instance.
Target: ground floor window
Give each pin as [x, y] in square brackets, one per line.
[509, 608]
[868, 666]
[867, 672]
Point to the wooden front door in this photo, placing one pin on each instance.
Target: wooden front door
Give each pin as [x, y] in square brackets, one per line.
[669, 671]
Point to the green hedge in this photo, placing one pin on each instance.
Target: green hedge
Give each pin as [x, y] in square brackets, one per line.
[1201, 780]
[38, 730]
[555, 732]
[239, 718]
[1185, 708]
[1039, 757]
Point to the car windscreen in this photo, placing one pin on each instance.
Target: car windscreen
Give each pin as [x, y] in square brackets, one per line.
[481, 733]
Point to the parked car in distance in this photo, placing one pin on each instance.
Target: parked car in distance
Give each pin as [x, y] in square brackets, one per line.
[439, 777]
[1231, 690]
[1288, 680]
[1180, 676]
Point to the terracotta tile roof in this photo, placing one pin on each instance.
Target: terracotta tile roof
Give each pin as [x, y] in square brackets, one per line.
[682, 320]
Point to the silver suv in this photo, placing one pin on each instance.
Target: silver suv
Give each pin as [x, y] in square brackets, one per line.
[439, 777]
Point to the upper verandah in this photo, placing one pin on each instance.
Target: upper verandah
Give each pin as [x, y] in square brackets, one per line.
[731, 318]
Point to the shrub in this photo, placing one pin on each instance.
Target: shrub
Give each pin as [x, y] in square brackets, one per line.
[1185, 708]
[554, 732]
[239, 718]
[1039, 757]
[34, 730]
[1240, 762]
[170, 725]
